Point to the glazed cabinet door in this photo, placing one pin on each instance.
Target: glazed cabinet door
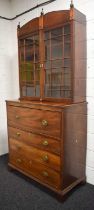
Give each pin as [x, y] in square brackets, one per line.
[58, 62]
[45, 62]
[29, 66]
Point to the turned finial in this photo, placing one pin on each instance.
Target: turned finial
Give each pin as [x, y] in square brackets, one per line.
[42, 12]
[18, 26]
[71, 4]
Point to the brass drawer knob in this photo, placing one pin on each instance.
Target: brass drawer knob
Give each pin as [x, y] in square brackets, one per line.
[18, 160]
[45, 173]
[17, 117]
[18, 134]
[45, 158]
[45, 143]
[44, 123]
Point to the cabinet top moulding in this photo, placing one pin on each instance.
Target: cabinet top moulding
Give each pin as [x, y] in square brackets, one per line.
[52, 19]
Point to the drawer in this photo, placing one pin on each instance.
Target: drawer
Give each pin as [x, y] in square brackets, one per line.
[40, 121]
[40, 141]
[44, 157]
[35, 169]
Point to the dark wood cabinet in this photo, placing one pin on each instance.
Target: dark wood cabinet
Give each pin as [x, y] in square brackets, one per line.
[47, 124]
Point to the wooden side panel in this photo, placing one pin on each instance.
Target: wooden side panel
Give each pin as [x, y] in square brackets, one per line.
[79, 61]
[75, 132]
[77, 15]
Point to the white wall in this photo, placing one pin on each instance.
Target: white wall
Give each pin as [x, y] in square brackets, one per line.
[5, 71]
[18, 6]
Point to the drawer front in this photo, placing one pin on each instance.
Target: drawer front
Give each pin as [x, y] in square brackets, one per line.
[40, 121]
[42, 142]
[35, 169]
[33, 153]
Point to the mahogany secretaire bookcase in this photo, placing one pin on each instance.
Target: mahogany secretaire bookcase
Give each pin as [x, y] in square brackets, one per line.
[47, 124]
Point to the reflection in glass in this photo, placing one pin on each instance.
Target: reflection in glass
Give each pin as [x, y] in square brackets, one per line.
[30, 91]
[29, 54]
[37, 75]
[66, 49]
[46, 35]
[67, 62]
[67, 29]
[21, 54]
[23, 76]
[29, 65]
[56, 40]
[21, 42]
[29, 76]
[47, 64]
[23, 90]
[47, 50]
[57, 51]
[56, 77]
[56, 93]
[37, 90]
[47, 91]
[67, 38]
[56, 63]
[56, 32]
[48, 77]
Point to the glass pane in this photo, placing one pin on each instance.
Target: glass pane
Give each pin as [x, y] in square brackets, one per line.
[23, 76]
[37, 90]
[48, 64]
[37, 75]
[57, 51]
[36, 48]
[67, 63]
[21, 42]
[56, 93]
[29, 66]
[47, 91]
[67, 50]
[67, 80]
[29, 76]
[29, 41]
[29, 54]
[48, 77]
[47, 35]
[23, 90]
[57, 64]
[56, 32]
[67, 29]
[47, 50]
[37, 66]
[56, 77]
[67, 38]
[66, 93]
[22, 67]
[56, 40]
[21, 53]
[30, 91]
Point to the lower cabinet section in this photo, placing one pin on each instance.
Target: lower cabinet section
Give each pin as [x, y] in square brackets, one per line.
[36, 169]
[55, 154]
